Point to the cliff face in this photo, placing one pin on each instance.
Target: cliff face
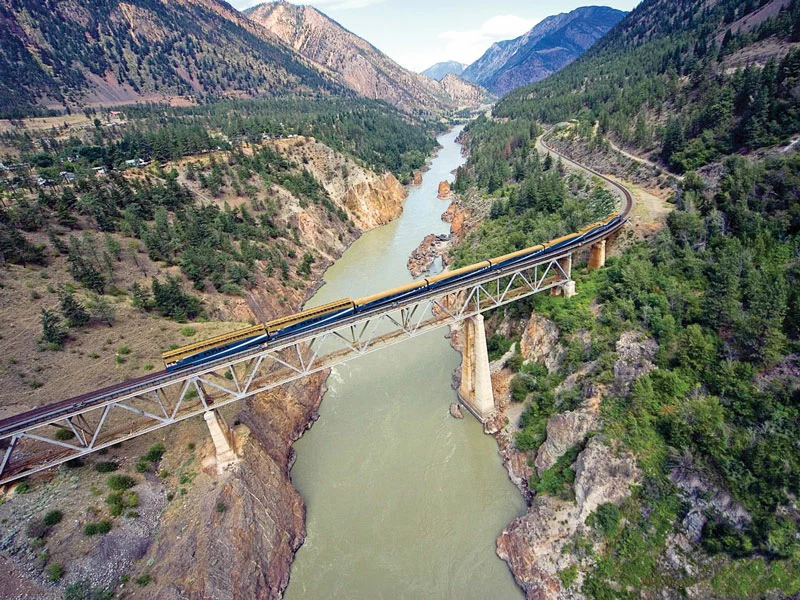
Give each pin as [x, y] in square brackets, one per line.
[246, 551]
[362, 67]
[463, 93]
[545, 49]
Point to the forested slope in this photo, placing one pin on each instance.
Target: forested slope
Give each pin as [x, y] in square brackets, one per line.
[683, 351]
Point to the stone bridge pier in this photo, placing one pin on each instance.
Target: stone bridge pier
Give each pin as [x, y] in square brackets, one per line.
[475, 391]
[221, 436]
[597, 255]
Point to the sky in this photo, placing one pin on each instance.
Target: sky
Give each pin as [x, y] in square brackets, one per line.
[420, 33]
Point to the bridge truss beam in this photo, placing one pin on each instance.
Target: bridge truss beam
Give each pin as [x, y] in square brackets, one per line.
[136, 412]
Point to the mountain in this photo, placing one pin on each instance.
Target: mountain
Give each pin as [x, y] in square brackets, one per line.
[545, 49]
[439, 70]
[362, 67]
[688, 84]
[56, 54]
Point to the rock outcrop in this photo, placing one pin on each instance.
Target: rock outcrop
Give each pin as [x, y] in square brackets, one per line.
[564, 431]
[533, 545]
[424, 255]
[444, 190]
[540, 342]
[635, 358]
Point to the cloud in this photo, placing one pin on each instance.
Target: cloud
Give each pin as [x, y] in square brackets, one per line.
[467, 46]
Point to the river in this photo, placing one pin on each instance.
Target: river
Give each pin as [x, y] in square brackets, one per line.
[403, 500]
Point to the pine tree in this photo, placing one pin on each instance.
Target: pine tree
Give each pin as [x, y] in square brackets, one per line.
[74, 312]
[53, 333]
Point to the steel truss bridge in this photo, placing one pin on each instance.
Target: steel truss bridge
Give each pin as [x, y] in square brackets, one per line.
[51, 435]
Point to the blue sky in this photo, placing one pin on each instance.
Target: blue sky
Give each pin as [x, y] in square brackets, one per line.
[419, 33]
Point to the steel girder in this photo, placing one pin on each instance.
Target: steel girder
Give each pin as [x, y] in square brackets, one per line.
[132, 413]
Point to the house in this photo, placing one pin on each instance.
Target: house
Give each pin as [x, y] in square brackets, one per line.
[99, 170]
[67, 176]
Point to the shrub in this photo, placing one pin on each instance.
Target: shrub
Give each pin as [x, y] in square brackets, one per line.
[119, 501]
[82, 590]
[36, 529]
[142, 465]
[54, 572]
[124, 350]
[107, 466]
[120, 482]
[64, 434]
[155, 452]
[143, 580]
[605, 519]
[221, 508]
[188, 331]
[52, 518]
[100, 527]
[22, 488]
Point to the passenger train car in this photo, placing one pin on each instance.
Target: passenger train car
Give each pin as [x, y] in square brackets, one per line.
[314, 318]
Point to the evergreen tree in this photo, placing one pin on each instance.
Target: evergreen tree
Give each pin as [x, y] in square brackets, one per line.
[53, 332]
[72, 310]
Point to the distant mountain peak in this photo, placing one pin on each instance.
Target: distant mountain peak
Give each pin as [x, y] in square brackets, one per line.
[548, 47]
[441, 69]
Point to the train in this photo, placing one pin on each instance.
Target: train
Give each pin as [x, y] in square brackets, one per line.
[262, 334]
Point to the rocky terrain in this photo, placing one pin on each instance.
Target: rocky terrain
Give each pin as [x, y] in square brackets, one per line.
[548, 47]
[362, 67]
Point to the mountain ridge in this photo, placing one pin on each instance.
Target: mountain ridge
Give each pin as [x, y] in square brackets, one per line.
[99, 52]
[545, 49]
[362, 67]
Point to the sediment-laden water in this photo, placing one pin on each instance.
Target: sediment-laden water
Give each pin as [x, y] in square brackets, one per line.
[403, 500]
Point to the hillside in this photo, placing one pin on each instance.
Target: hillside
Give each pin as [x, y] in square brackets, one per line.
[544, 50]
[652, 417]
[71, 54]
[362, 67]
[686, 84]
[439, 70]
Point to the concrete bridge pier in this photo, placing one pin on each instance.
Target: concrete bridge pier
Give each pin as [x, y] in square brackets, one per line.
[597, 255]
[476, 381]
[568, 288]
[222, 442]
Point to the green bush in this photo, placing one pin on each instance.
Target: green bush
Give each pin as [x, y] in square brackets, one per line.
[100, 527]
[119, 501]
[54, 572]
[605, 519]
[120, 482]
[52, 518]
[143, 580]
[155, 453]
[143, 465]
[64, 434]
[106, 466]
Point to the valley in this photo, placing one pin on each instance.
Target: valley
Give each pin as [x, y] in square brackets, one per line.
[174, 171]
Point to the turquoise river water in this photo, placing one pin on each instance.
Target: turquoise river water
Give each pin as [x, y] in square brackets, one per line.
[403, 500]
